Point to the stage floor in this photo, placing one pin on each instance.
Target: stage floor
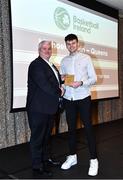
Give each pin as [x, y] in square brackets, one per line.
[15, 162]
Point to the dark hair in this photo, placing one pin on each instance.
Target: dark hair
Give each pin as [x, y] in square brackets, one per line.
[70, 37]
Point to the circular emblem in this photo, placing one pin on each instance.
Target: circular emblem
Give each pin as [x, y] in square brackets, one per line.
[62, 18]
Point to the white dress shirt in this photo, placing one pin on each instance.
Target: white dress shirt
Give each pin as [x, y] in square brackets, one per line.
[55, 72]
[81, 66]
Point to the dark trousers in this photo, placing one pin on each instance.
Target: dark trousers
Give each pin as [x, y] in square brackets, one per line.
[40, 126]
[84, 108]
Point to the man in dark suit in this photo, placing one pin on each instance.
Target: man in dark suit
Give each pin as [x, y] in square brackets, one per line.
[44, 91]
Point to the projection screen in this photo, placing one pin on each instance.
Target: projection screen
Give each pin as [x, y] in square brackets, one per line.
[36, 20]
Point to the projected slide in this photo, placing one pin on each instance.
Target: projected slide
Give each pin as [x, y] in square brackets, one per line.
[36, 20]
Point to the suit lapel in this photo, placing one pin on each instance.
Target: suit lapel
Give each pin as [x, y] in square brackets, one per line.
[57, 73]
[49, 72]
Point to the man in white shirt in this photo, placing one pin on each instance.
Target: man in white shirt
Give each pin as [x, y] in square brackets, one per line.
[77, 98]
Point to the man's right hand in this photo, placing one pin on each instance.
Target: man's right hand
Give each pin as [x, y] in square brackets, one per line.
[62, 91]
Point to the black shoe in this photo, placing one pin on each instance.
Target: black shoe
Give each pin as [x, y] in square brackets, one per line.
[42, 171]
[38, 171]
[52, 162]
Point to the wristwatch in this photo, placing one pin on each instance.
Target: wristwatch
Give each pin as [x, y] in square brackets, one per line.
[81, 83]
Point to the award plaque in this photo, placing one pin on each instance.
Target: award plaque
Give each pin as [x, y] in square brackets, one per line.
[69, 78]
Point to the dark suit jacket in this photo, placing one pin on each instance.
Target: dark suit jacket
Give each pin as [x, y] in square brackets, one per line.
[43, 88]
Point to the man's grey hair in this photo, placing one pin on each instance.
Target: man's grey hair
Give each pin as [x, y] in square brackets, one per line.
[43, 42]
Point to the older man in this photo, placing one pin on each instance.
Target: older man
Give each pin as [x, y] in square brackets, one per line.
[44, 90]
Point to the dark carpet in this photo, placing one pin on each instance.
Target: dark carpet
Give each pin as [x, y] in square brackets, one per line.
[15, 161]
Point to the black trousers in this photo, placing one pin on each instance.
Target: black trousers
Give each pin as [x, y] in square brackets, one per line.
[84, 108]
[40, 126]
